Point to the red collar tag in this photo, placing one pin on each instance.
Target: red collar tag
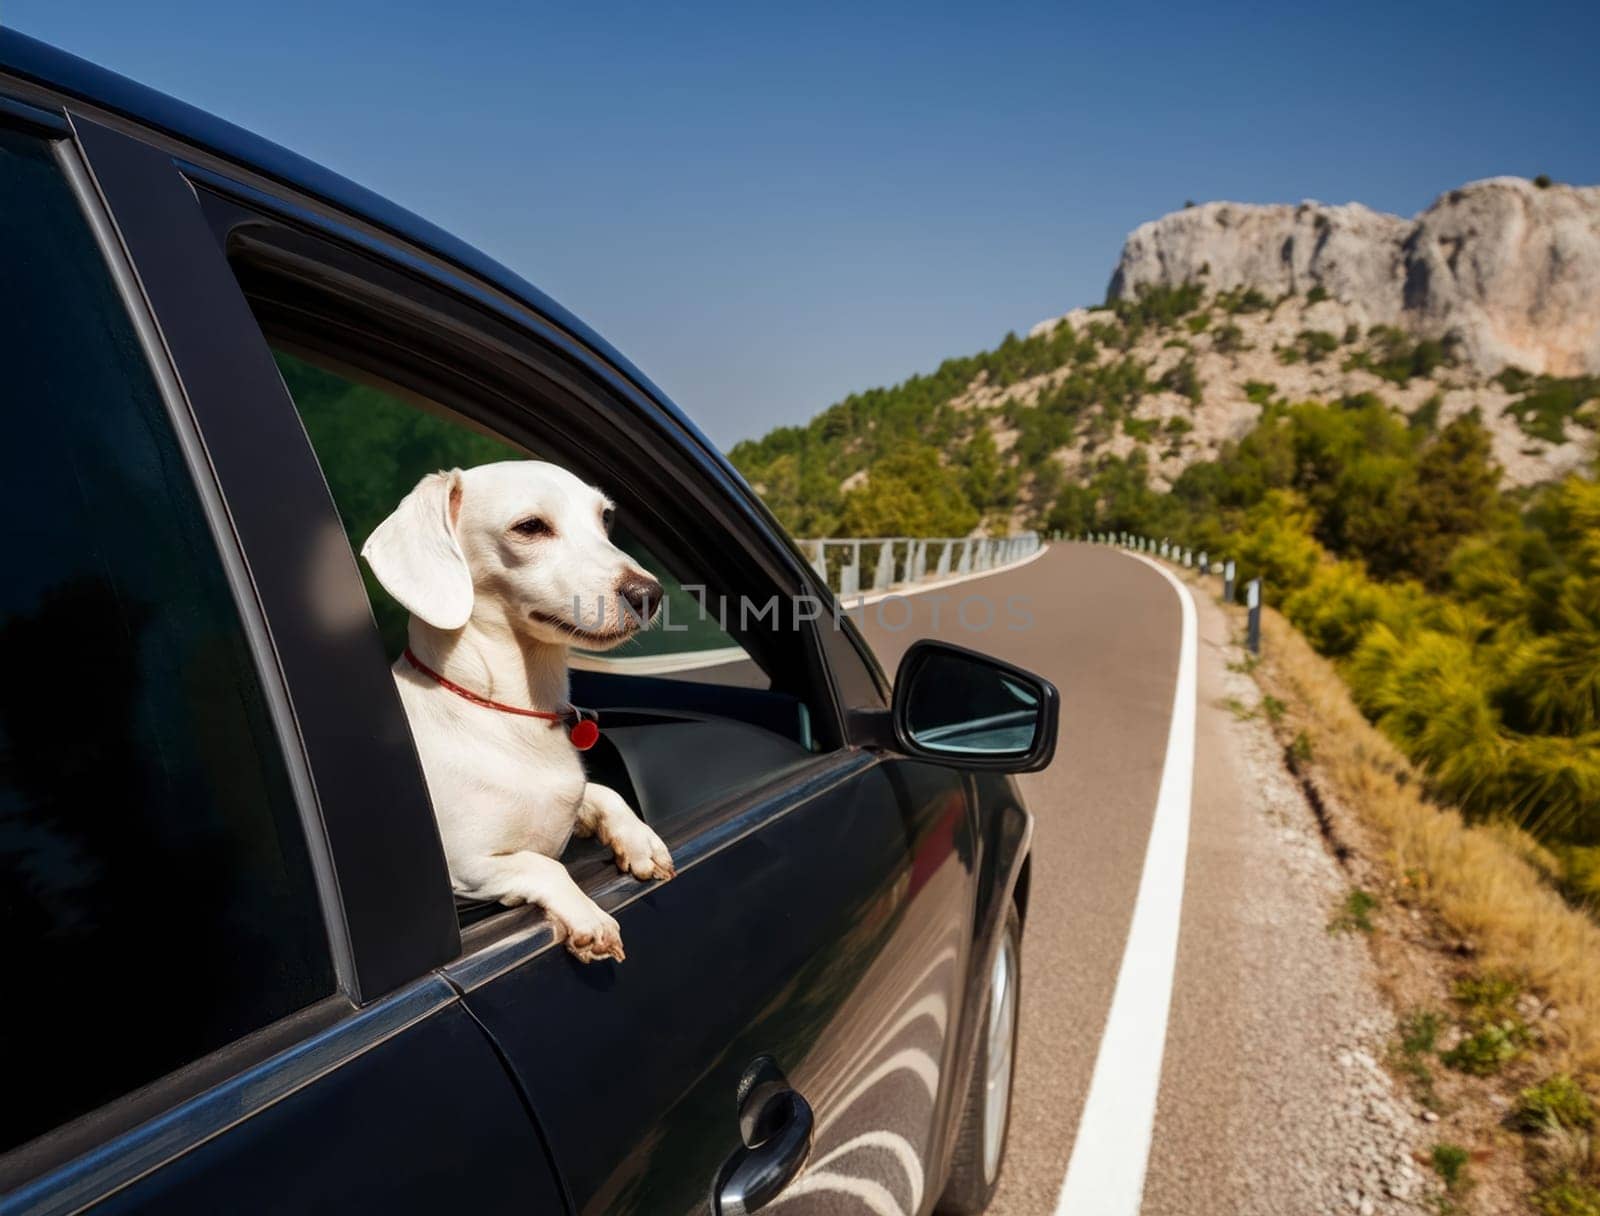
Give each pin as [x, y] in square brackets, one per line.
[584, 732]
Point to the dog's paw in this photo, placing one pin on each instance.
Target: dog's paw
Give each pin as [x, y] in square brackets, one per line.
[640, 852]
[637, 849]
[588, 933]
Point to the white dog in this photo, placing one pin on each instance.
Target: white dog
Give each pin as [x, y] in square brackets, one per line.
[493, 564]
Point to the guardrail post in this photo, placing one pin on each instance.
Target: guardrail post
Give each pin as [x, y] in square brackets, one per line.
[1188, 558]
[1252, 599]
[1205, 562]
[1227, 581]
[964, 564]
[943, 568]
[819, 560]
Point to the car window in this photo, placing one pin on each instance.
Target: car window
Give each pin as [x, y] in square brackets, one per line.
[158, 898]
[374, 445]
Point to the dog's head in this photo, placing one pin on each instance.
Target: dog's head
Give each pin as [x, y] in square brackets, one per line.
[521, 543]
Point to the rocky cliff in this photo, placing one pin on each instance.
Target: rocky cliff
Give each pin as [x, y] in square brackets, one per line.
[1505, 271]
[1486, 304]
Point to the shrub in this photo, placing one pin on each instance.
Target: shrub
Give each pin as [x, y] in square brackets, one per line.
[1486, 996]
[1229, 338]
[1242, 300]
[1182, 377]
[1450, 1163]
[1335, 609]
[1390, 354]
[1542, 181]
[1567, 1194]
[1317, 294]
[1419, 1032]
[1556, 1103]
[1315, 345]
[1158, 306]
[1488, 1048]
[1277, 546]
[1425, 417]
[1354, 914]
[1547, 402]
[1580, 874]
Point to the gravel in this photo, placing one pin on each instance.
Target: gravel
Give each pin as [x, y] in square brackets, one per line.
[1274, 1096]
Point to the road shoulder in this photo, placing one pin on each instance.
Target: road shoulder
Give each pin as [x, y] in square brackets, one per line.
[1274, 1098]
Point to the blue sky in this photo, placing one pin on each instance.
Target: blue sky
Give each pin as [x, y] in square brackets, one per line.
[767, 206]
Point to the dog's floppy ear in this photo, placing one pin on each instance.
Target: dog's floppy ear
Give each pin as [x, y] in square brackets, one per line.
[416, 555]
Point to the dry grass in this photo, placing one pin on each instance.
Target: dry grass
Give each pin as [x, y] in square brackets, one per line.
[1484, 881]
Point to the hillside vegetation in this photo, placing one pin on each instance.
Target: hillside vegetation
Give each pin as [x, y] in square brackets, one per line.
[1434, 531]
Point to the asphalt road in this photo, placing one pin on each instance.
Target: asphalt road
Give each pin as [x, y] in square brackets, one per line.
[1105, 628]
[1203, 1057]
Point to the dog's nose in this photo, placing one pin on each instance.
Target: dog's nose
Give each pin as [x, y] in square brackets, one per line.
[641, 593]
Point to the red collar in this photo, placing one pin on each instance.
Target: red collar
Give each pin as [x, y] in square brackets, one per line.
[583, 731]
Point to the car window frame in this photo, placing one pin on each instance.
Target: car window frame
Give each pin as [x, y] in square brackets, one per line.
[107, 1147]
[528, 369]
[242, 216]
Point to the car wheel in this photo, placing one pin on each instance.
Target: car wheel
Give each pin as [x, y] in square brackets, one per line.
[975, 1167]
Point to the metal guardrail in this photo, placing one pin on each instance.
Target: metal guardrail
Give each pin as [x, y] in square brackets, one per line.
[1181, 555]
[904, 561]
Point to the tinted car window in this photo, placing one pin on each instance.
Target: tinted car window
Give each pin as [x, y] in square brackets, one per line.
[158, 900]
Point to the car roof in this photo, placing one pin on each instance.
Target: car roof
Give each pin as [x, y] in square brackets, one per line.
[61, 72]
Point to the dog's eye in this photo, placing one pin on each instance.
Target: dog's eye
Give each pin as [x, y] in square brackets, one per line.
[606, 516]
[533, 527]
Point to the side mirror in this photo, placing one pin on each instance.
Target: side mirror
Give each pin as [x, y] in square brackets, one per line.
[956, 706]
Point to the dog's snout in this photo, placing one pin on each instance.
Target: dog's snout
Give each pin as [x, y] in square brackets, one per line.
[641, 593]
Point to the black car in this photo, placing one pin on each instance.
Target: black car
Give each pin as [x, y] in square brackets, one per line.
[237, 980]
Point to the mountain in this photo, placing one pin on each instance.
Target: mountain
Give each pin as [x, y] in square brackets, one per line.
[1391, 422]
[1505, 270]
[1487, 305]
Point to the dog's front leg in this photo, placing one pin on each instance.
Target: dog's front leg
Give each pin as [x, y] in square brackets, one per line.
[532, 878]
[638, 850]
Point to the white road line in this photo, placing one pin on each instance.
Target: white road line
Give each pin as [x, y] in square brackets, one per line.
[1105, 1176]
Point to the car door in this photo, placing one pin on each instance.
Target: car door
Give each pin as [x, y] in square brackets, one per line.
[822, 910]
[220, 949]
[821, 924]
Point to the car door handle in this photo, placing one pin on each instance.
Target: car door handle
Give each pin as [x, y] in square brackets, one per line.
[777, 1143]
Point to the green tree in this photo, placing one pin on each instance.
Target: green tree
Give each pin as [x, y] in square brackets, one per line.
[990, 480]
[1455, 494]
[909, 493]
